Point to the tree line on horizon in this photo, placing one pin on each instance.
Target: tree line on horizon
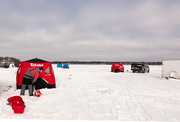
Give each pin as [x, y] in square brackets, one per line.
[104, 62]
[17, 61]
[6, 61]
[9, 59]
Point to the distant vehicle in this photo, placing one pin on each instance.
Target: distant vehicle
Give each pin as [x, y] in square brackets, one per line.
[140, 68]
[117, 67]
[4, 65]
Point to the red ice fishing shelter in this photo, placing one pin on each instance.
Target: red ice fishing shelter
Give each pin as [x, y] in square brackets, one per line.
[117, 67]
[46, 79]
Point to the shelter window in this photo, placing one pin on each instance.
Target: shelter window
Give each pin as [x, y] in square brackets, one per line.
[19, 70]
[47, 70]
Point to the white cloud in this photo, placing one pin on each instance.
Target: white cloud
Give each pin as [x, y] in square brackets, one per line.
[90, 30]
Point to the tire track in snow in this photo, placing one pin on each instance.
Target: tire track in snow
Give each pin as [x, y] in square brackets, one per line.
[97, 93]
[130, 106]
[80, 104]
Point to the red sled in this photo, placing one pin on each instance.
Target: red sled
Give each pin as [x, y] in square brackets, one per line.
[17, 104]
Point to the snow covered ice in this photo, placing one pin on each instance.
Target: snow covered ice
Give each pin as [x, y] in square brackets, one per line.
[92, 92]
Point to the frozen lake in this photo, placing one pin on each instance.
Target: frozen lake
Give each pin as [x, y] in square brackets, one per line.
[92, 92]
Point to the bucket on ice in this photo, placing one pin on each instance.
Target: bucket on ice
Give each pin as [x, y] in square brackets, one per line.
[18, 108]
[17, 104]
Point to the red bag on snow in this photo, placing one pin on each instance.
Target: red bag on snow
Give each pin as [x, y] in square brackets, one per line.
[37, 93]
[18, 107]
[14, 98]
[17, 104]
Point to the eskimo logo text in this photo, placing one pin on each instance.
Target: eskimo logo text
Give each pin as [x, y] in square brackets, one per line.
[36, 65]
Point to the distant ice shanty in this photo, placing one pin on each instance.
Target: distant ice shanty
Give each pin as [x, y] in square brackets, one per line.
[171, 69]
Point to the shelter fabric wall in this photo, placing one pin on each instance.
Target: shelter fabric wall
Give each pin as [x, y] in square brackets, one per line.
[47, 74]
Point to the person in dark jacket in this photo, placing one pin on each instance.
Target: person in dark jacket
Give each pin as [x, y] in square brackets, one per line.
[29, 79]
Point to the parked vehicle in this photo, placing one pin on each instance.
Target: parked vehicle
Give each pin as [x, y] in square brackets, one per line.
[140, 68]
[4, 65]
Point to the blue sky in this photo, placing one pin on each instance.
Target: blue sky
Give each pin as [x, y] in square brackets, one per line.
[90, 30]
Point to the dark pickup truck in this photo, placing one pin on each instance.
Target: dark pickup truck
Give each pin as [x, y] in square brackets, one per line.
[140, 68]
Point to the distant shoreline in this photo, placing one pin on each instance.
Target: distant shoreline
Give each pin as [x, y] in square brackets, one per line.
[102, 62]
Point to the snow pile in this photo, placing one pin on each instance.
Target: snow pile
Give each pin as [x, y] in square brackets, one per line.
[92, 92]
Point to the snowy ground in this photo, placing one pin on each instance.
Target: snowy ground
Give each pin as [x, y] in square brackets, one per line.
[92, 92]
